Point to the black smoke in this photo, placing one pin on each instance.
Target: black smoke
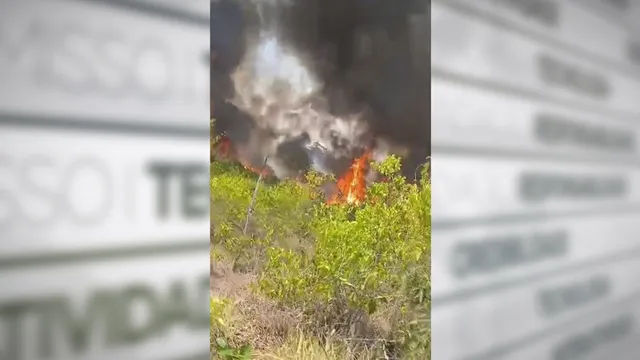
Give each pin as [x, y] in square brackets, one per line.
[366, 59]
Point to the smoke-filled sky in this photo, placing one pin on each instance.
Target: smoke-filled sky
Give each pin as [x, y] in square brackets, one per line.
[337, 75]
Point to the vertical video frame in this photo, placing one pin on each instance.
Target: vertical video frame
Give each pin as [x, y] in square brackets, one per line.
[320, 179]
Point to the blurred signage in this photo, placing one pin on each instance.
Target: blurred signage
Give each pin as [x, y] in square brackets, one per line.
[97, 61]
[117, 307]
[535, 180]
[104, 180]
[110, 188]
[196, 11]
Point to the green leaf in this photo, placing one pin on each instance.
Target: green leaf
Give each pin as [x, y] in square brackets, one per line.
[226, 352]
[222, 343]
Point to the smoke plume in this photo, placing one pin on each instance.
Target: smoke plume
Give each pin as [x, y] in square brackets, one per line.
[314, 83]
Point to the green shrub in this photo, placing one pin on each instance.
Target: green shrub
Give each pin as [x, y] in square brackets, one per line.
[219, 314]
[362, 254]
[309, 255]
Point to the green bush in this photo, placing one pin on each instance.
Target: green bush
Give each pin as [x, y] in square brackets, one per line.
[309, 255]
[361, 254]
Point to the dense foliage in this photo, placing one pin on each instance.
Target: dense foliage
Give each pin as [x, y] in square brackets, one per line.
[357, 276]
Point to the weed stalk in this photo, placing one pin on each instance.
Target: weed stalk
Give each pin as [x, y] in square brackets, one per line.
[255, 194]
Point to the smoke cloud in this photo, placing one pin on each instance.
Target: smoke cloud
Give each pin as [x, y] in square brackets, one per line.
[314, 83]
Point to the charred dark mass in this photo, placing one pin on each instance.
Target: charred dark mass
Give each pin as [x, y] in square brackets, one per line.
[317, 82]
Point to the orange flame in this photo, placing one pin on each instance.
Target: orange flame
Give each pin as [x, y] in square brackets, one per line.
[225, 150]
[264, 172]
[352, 185]
[223, 147]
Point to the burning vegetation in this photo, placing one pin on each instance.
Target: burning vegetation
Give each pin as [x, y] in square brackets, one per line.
[350, 186]
[224, 150]
[312, 84]
[287, 269]
[353, 184]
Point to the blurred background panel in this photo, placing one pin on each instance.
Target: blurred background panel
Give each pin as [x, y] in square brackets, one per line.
[104, 179]
[535, 179]
[99, 61]
[195, 11]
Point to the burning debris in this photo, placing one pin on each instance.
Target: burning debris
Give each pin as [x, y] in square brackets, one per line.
[322, 84]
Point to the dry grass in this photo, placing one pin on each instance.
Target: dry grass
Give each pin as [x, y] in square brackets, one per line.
[254, 319]
[333, 332]
[301, 347]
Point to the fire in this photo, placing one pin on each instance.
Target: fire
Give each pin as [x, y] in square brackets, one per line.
[352, 185]
[264, 172]
[224, 148]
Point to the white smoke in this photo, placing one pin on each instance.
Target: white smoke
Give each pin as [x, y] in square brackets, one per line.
[275, 86]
